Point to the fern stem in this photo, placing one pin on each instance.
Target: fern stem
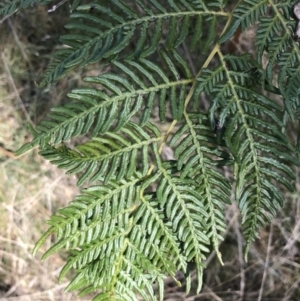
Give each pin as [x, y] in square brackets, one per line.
[170, 129]
[187, 100]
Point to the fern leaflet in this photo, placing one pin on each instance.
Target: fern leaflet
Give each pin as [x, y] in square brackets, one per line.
[104, 33]
[254, 137]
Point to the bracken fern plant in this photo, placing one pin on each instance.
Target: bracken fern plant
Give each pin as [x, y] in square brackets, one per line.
[140, 216]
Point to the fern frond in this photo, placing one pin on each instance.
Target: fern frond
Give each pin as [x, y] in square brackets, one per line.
[108, 156]
[101, 31]
[197, 153]
[114, 236]
[246, 13]
[183, 206]
[275, 32]
[97, 110]
[116, 231]
[275, 37]
[253, 134]
[144, 218]
[92, 215]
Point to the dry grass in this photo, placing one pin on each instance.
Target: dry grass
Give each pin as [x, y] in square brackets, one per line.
[31, 190]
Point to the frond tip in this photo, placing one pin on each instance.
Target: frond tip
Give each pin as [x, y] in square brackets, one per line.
[253, 134]
[198, 154]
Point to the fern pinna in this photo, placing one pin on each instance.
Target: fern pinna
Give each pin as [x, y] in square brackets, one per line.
[141, 217]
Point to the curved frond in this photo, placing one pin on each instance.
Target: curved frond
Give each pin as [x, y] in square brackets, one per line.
[188, 217]
[115, 232]
[276, 36]
[107, 156]
[102, 31]
[93, 215]
[246, 13]
[120, 99]
[253, 134]
[197, 155]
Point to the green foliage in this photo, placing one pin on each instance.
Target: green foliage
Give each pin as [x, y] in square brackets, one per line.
[104, 33]
[142, 216]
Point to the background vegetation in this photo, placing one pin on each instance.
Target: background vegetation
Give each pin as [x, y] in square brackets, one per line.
[31, 188]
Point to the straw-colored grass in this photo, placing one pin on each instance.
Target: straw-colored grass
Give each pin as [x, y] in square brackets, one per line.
[31, 189]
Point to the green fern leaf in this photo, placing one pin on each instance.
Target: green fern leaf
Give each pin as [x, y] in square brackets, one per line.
[246, 13]
[91, 216]
[97, 110]
[109, 156]
[196, 155]
[132, 232]
[275, 37]
[182, 205]
[253, 134]
[104, 32]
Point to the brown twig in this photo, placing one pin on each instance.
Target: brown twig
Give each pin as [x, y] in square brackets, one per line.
[266, 264]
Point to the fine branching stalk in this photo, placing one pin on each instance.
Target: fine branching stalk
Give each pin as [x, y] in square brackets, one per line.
[141, 217]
